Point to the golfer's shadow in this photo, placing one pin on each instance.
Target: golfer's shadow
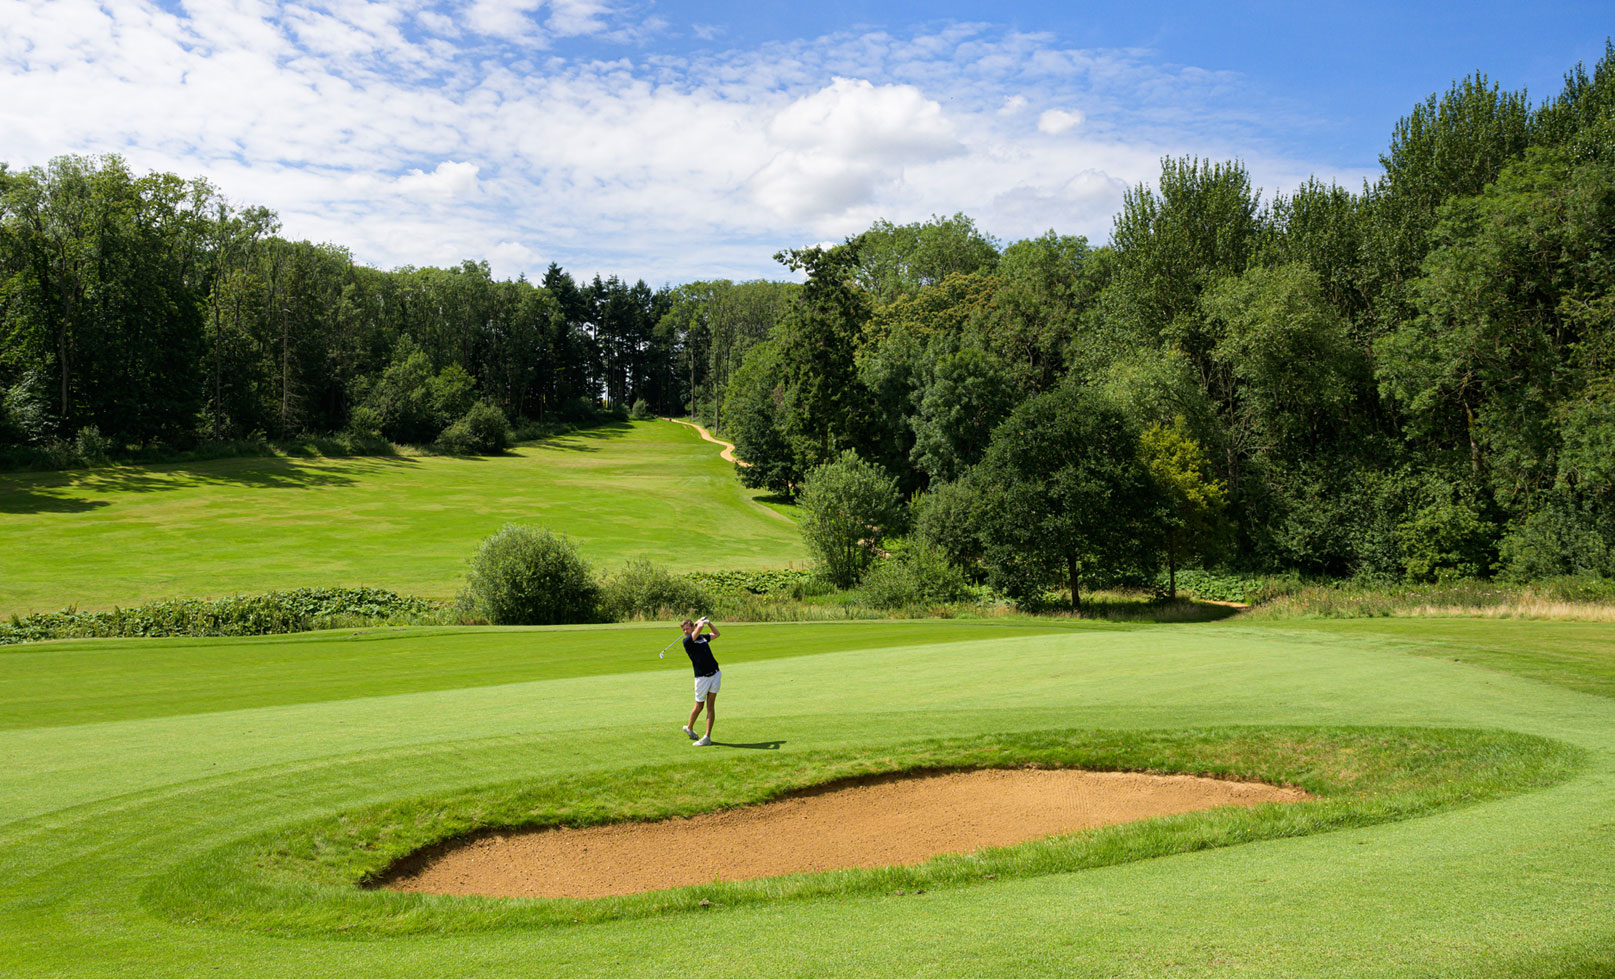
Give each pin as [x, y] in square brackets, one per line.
[763, 745]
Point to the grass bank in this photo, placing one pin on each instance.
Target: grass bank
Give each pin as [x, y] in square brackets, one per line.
[305, 880]
[124, 535]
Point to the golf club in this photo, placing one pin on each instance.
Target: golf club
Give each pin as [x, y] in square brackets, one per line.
[663, 653]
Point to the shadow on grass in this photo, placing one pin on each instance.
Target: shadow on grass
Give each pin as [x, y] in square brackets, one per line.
[759, 745]
[24, 501]
[578, 440]
[1133, 607]
[261, 473]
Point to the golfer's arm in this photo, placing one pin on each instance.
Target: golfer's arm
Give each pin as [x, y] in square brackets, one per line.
[714, 630]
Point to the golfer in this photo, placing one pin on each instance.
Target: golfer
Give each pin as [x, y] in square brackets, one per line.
[707, 675]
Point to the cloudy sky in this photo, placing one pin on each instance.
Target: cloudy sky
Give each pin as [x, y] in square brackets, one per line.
[675, 141]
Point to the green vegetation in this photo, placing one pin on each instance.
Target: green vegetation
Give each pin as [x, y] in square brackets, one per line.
[848, 508]
[531, 576]
[408, 524]
[173, 805]
[302, 610]
[1363, 776]
[1406, 383]
[641, 590]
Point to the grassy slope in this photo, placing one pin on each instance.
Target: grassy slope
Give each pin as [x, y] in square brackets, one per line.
[128, 534]
[91, 814]
[1578, 655]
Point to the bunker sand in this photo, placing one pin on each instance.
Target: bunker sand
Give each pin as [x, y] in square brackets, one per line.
[876, 823]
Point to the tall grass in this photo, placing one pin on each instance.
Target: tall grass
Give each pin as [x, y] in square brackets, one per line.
[1581, 599]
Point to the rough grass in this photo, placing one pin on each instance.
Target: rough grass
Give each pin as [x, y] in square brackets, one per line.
[1570, 599]
[304, 880]
[124, 535]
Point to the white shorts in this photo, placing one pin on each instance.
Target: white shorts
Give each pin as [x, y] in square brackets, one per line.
[707, 684]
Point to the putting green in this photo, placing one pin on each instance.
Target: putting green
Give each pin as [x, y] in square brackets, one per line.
[103, 812]
[125, 534]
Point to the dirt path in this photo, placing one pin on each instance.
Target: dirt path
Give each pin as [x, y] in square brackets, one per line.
[893, 821]
[728, 453]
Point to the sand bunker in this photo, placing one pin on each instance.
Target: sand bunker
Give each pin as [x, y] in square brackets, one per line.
[897, 820]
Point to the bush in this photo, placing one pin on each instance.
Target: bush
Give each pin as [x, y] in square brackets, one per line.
[919, 575]
[848, 506]
[754, 582]
[948, 519]
[1212, 586]
[531, 576]
[640, 411]
[483, 430]
[644, 591]
[297, 610]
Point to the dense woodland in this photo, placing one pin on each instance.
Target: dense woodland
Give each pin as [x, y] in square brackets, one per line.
[1414, 379]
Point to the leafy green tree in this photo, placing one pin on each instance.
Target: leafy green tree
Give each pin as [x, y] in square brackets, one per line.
[949, 518]
[900, 260]
[1066, 498]
[1283, 364]
[825, 407]
[969, 393]
[1047, 286]
[754, 403]
[1172, 242]
[1194, 498]
[848, 507]
[413, 404]
[1515, 309]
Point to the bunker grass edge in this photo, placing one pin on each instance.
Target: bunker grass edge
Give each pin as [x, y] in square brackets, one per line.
[312, 879]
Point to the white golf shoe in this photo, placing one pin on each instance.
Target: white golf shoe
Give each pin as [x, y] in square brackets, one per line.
[702, 743]
[691, 733]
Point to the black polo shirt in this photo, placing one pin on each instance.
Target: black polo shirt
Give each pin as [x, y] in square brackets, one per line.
[700, 654]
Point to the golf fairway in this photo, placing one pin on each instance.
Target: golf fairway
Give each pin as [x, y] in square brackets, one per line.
[103, 804]
[235, 526]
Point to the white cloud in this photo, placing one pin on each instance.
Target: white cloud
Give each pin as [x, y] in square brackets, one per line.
[503, 18]
[428, 131]
[450, 180]
[1056, 122]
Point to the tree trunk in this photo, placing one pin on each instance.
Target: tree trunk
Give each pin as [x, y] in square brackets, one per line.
[1071, 571]
[1171, 567]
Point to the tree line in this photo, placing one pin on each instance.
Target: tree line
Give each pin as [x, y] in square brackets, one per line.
[1412, 380]
[150, 309]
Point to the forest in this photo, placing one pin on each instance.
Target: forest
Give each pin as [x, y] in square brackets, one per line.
[1410, 380]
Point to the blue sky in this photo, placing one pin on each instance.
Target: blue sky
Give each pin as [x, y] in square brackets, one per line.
[681, 141]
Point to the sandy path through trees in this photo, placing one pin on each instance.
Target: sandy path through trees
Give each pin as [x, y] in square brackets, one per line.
[728, 453]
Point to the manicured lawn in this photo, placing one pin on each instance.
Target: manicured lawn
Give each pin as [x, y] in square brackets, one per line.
[146, 770]
[123, 535]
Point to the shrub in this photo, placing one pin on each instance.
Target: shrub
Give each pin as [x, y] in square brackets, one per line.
[948, 518]
[643, 590]
[848, 506]
[531, 576]
[91, 446]
[1212, 586]
[640, 411]
[754, 582]
[919, 575]
[482, 430]
[238, 615]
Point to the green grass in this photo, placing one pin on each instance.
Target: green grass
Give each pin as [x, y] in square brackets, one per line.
[116, 822]
[128, 534]
[1361, 776]
[1577, 655]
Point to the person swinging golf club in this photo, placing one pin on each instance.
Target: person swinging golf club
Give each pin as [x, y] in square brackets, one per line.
[707, 675]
